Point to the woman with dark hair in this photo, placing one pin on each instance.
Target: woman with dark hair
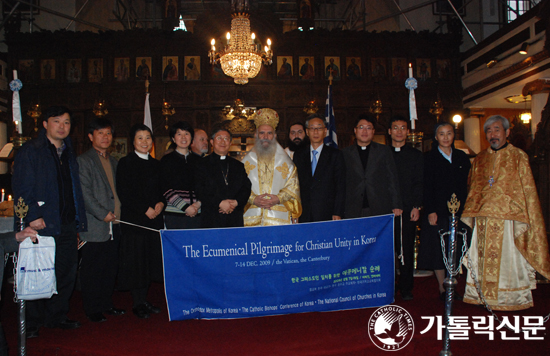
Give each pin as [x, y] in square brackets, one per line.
[178, 180]
[445, 173]
[142, 203]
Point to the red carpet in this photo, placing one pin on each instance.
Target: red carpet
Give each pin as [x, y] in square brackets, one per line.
[334, 333]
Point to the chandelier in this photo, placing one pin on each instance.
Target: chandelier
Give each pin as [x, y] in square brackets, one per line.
[241, 58]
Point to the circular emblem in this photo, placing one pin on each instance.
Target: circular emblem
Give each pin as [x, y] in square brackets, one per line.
[16, 85]
[411, 83]
[391, 328]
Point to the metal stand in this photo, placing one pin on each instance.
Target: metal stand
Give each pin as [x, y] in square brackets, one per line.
[452, 271]
[449, 283]
[21, 210]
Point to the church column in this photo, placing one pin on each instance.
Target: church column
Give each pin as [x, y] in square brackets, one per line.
[472, 129]
[538, 90]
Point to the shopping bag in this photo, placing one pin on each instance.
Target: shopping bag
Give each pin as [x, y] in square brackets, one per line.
[35, 273]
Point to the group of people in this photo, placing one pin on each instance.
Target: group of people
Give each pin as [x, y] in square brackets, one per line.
[117, 207]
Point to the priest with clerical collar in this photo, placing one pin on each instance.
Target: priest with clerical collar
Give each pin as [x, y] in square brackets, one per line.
[275, 196]
[509, 241]
[221, 184]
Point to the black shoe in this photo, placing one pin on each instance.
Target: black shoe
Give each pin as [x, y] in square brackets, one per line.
[32, 332]
[141, 311]
[96, 317]
[67, 324]
[115, 311]
[151, 308]
[407, 296]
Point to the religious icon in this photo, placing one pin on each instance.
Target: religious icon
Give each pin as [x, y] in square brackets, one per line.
[95, 70]
[353, 68]
[170, 71]
[284, 65]
[423, 69]
[379, 66]
[192, 67]
[26, 70]
[332, 65]
[443, 69]
[399, 69]
[47, 69]
[74, 70]
[122, 69]
[307, 68]
[143, 68]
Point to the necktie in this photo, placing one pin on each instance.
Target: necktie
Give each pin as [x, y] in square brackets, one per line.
[314, 162]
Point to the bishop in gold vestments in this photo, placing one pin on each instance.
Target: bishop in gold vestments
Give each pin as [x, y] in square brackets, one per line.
[275, 196]
[509, 237]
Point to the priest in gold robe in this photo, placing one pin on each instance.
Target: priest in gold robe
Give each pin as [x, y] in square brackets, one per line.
[509, 240]
[275, 196]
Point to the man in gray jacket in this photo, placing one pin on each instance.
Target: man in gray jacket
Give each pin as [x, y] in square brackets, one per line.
[98, 268]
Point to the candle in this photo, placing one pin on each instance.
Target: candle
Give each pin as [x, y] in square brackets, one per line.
[410, 70]
[14, 74]
[213, 42]
[9, 197]
[2, 196]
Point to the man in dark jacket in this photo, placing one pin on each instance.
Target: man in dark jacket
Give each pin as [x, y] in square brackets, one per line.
[409, 163]
[322, 176]
[372, 187]
[46, 177]
[221, 184]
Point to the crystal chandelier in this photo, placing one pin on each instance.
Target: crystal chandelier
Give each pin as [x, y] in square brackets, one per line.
[241, 58]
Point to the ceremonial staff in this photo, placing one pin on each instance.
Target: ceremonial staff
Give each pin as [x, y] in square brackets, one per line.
[452, 268]
[21, 210]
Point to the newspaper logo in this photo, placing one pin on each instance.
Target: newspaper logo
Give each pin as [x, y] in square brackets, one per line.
[391, 328]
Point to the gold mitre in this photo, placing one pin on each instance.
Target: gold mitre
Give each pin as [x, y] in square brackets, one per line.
[266, 116]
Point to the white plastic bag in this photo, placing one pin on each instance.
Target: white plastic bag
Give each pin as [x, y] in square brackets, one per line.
[36, 269]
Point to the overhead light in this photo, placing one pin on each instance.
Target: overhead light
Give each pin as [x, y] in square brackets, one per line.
[525, 117]
[492, 63]
[457, 119]
[241, 58]
[524, 48]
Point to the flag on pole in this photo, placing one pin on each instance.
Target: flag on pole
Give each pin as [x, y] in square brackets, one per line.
[331, 139]
[15, 86]
[147, 120]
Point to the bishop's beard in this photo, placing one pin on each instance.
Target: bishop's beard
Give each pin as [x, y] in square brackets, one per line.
[265, 153]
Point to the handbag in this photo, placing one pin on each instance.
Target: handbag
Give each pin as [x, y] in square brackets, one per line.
[35, 272]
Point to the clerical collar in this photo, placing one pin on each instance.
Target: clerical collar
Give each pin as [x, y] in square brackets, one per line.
[397, 149]
[363, 148]
[144, 156]
[222, 157]
[185, 155]
[498, 149]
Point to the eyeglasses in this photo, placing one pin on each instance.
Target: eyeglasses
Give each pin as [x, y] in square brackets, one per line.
[364, 127]
[223, 138]
[316, 129]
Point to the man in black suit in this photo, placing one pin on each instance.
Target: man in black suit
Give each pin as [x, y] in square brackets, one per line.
[322, 190]
[372, 187]
[222, 185]
[409, 163]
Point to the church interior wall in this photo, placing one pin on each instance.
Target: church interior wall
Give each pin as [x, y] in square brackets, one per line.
[200, 102]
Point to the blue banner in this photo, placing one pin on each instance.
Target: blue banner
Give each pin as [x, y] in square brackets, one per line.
[271, 270]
